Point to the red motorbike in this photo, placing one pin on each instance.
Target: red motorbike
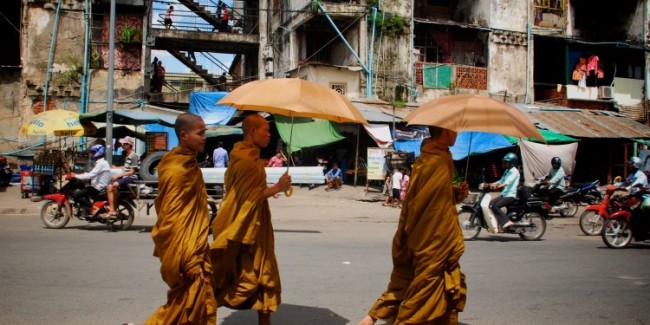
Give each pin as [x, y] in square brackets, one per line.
[632, 221]
[593, 218]
[59, 207]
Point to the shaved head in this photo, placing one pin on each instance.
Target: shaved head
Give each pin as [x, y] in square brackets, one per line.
[251, 122]
[256, 130]
[185, 122]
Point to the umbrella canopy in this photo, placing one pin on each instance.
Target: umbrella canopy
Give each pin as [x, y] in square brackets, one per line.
[474, 113]
[130, 117]
[293, 97]
[54, 122]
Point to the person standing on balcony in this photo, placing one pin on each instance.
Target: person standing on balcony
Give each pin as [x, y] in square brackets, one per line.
[168, 17]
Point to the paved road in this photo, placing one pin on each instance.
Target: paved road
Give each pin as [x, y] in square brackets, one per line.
[334, 256]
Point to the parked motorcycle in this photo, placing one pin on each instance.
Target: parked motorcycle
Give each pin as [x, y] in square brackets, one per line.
[588, 194]
[593, 218]
[527, 213]
[58, 208]
[631, 221]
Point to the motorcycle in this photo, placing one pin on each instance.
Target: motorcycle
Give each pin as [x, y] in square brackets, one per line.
[631, 221]
[587, 193]
[527, 213]
[566, 208]
[58, 208]
[593, 218]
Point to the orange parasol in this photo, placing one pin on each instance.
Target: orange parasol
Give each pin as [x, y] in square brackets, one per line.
[474, 113]
[294, 97]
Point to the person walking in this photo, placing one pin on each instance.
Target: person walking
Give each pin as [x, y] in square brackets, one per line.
[180, 234]
[220, 156]
[168, 17]
[426, 284]
[247, 275]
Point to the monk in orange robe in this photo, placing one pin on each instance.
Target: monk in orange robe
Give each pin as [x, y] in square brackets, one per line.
[246, 274]
[181, 233]
[426, 285]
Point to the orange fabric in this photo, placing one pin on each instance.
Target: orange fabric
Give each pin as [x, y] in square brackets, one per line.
[181, 242]
[426, 285]
[246, 275]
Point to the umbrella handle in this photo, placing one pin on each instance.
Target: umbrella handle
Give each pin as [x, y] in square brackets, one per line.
[289, 192]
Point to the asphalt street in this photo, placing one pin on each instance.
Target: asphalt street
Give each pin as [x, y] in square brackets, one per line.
[334, 256]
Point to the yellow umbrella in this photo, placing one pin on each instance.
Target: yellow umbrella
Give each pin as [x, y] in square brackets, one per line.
[58, 122]
[474, 113]
[294, 97]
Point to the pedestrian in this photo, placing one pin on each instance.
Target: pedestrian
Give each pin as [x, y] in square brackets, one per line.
[388, 188]
[154, 75]
[168, 17]
[222, 82]
[426, 284]
[246, 275]
[180, 234]
[396, 182]
[224, 18]
[278, 160]
[160, 71]
[190, 54]
[220, 156]
[405, 183]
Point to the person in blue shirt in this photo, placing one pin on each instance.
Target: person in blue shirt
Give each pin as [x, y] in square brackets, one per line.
[334, 178]
[508, 186]
[636, 177]
[220, 156]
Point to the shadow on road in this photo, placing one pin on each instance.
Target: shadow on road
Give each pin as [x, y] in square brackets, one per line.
[288, 314]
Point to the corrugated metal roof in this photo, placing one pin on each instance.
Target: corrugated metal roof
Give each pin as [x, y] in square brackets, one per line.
[585, 123]
[373, 112]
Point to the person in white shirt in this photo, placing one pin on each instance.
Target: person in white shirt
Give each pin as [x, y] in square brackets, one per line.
[637, 177]
[397, 188]
[99, 178]
[555, 180]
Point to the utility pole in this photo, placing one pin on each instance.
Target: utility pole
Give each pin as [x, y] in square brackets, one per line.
[109, 86]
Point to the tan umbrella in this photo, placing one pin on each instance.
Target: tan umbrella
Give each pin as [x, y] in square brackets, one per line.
[474, 113]
[293, 97]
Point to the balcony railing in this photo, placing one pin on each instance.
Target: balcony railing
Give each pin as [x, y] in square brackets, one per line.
[450, 76]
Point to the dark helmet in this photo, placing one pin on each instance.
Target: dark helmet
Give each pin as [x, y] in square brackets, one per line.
[97, 151]
[556, 162]
[511, 159]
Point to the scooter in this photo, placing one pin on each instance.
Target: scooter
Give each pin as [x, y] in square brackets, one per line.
[527, 213]
[59, 208]
[566, 208]
[593, 218]
[631, 221]
[586, 193]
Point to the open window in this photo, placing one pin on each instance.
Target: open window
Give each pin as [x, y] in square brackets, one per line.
[10, 24]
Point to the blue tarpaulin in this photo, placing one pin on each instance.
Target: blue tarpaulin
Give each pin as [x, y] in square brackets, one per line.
[408, 146]
[482, 142]
[204, 104]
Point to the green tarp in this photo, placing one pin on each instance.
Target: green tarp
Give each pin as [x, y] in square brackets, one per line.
[307, 132]
[549, 136]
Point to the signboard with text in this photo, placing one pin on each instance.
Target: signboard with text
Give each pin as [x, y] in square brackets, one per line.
[377, 166]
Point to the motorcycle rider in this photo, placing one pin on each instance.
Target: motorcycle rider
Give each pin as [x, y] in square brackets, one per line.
[637, 177]
[555, 180]
[508, 185]
[99, 177]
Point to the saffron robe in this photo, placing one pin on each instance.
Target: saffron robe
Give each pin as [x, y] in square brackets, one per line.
[181, 241]
[246, 274]
[426, 285]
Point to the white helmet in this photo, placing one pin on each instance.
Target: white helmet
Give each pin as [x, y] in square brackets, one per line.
[635, 162]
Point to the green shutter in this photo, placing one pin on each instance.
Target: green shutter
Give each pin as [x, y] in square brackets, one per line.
[436, 76]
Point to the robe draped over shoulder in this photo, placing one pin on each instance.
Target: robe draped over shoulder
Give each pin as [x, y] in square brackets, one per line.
[426, 284]
[246, 274]
[181, 241]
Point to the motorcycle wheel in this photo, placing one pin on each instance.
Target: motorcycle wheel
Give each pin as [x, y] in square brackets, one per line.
[469, 225]
[537, 228]
[591, 223]
[570, 210]
[616, 233]
[125, 214]
[53, 216]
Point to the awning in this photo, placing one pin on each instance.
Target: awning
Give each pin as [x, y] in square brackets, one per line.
[204, 104]
[373, 112]
[130, 117]
[307, 132]
[584, 123]
[380, 133]
[549, 136]
[473, 143]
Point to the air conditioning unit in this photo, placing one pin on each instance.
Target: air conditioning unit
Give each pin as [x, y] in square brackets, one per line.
[605, 92]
